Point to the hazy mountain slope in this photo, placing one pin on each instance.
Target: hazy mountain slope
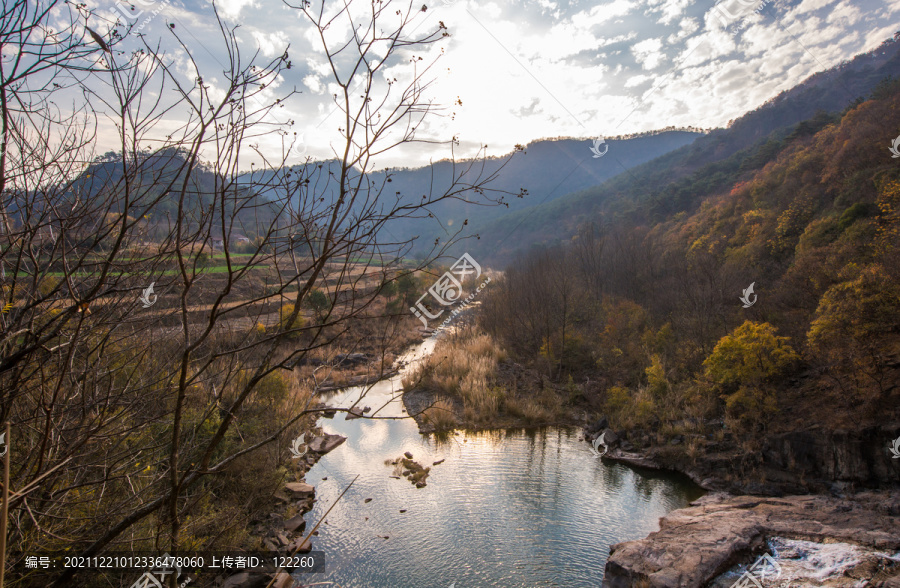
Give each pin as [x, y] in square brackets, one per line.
[161, 176]
[547, 169]
[676, 181]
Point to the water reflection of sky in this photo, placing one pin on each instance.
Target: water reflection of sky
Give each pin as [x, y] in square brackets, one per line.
[506, 508]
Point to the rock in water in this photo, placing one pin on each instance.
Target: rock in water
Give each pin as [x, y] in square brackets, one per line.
[283, 580]
[326, 443]
[296, 546]
[353, 413]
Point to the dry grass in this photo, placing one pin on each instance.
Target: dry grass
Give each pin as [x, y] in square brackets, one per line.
[463, 365]
[529, 410]
[440, 415]
[693, 449]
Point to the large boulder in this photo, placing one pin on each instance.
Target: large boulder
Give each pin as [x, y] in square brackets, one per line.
[597, 426]
[610, 437]
[295, 524]
[300, 488]
[326, 443]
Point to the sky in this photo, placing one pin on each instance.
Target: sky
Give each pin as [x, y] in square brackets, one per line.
[521, 70]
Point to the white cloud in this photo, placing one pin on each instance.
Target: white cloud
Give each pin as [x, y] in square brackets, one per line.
[233, 8]
[648, 54]
[547, 68]
[314, 84]
[673, 10]
[271, 44]
[637, 81]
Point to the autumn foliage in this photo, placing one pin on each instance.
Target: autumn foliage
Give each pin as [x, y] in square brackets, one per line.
[648, 316]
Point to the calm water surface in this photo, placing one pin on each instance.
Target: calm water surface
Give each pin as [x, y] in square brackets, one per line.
[522, 508]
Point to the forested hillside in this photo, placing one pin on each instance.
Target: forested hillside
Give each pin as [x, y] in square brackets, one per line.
[159, 179]
[642, 304]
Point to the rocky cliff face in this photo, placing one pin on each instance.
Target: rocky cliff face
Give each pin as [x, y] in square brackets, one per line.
[860, 457]
[813, 460]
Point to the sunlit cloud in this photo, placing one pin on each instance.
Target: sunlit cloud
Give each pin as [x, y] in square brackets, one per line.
[523, 72]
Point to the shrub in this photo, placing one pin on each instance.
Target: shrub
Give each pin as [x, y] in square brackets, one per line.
[464, 366]
[318, 302]
[284, 321]
[751, 354]
[741, 364]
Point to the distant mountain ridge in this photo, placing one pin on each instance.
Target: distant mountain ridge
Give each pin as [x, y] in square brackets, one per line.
[677, 180]
[547, 169]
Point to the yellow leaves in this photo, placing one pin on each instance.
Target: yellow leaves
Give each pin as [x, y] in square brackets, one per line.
[698, 244]
[858, 309]
[889, 216]
[547, 349]
[285, 315]
[752, 353]
[749, 404]
[753, 216]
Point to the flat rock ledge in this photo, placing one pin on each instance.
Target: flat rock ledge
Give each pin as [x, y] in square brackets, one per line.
[698, 543]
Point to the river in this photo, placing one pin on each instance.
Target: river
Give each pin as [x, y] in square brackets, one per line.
[518, 508]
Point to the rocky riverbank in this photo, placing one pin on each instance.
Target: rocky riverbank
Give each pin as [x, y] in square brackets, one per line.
[696, 544]
[810, 461]
[811, 485]
[283, 530]
[828, 487]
